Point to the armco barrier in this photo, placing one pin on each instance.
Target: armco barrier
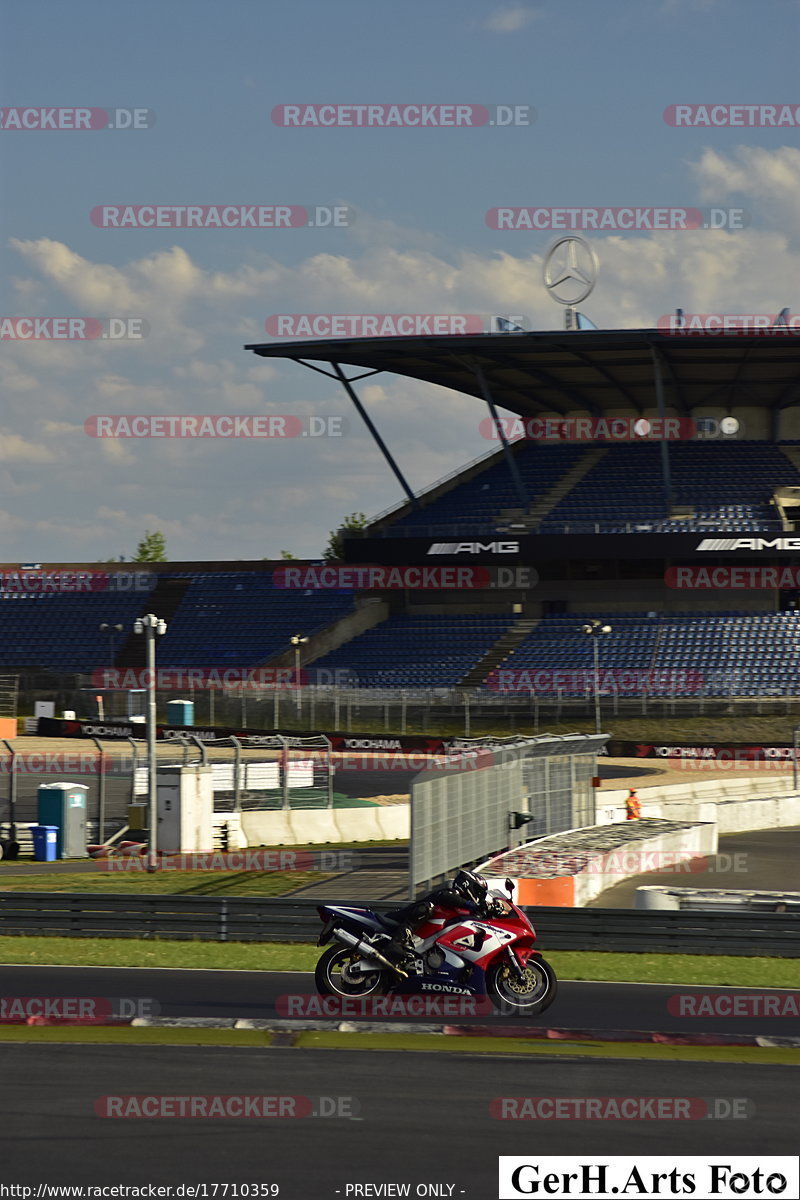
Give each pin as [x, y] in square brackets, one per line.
[238, 919]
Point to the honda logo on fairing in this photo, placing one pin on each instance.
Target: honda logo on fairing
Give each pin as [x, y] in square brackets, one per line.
[474, 548]
[780, 543]
[445, 987]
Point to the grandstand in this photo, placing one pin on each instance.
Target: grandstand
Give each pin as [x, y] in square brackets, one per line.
[601, 524]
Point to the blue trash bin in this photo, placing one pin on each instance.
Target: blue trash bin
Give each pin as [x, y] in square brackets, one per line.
[45, 841]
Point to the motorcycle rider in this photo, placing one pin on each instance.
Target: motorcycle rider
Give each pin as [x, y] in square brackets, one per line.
[467, 891]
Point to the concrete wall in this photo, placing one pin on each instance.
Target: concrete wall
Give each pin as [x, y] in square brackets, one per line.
[736, 805]
[314, 826]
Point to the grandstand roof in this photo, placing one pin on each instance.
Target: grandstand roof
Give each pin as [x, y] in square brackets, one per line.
[590, 370]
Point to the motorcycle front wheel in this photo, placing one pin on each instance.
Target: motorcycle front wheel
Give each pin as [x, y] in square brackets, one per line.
[334, 975]
[524, 997]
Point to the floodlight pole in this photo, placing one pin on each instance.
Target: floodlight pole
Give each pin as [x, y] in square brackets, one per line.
[150, 626]
[595, 630]
[297, 641]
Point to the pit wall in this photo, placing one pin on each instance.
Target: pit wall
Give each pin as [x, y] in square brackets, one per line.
[736, 805]
[314, 826]
[691, 845]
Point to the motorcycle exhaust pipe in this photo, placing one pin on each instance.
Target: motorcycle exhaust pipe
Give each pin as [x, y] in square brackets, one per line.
[368, 951]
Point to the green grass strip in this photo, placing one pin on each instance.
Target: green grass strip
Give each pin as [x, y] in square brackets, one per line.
[148, 952]
[763, 1055]
[139, 1035]
[132, 879]
[395, 1042]
[728, 970]
[271, 956]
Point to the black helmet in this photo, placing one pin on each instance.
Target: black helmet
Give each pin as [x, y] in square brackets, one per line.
[471, 886]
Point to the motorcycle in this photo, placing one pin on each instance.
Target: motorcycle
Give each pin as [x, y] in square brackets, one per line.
[489, 954]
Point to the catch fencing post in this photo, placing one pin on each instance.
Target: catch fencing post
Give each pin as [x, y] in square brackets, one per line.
[330, 771]
[285, 764]
[134, 769]
[237, 764]
[101, 796]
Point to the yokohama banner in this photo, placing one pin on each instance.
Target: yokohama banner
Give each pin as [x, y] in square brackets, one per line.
[727, 753]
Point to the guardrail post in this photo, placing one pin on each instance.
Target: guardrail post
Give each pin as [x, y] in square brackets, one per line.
[201, 746]
[223, 921]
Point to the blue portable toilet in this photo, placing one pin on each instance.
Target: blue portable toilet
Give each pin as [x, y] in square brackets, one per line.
[180, 712]
[45, 842]
[63, 806]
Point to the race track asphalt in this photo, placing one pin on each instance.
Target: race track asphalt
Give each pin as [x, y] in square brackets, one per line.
[256, 995]
[420, 1118]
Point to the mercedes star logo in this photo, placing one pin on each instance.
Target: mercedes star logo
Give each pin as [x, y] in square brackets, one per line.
[570, 270]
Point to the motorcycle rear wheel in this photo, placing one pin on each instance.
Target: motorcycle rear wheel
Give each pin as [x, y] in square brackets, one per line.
[332, 978]
[522, 998]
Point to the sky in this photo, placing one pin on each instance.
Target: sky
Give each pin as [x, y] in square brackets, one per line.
[203, 83]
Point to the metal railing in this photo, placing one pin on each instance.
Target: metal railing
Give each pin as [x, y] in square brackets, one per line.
[263, 772]
[9, 695]
[549, 527]
[239, 919]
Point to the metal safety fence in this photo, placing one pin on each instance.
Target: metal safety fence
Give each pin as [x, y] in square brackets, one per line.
[467, 712]
[242, 919]
[465, 812]
[264, 771]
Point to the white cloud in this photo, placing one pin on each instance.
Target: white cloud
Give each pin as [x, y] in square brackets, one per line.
[16, 449]
[217, 498]
[509, 20]
[770, 177]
